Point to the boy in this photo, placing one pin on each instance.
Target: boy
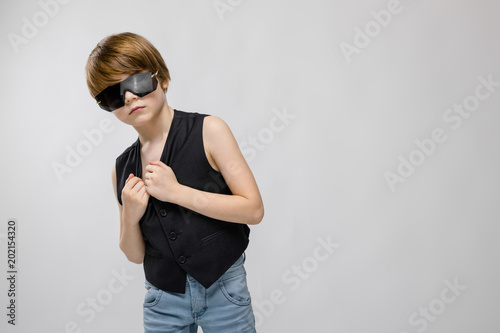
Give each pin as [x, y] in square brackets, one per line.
[185, 195]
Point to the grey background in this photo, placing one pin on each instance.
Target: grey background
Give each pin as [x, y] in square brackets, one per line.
[321, 175]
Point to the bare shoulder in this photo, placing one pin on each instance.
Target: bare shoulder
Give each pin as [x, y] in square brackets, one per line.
[216, 133]
[220, 144]
[214, 124]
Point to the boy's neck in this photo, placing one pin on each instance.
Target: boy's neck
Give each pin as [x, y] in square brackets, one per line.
[157, 129]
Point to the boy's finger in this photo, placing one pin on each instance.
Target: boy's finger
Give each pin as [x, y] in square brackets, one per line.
[158, 163]
[138, 186]
[152, 167]
[145, 193]
[129, 177]
[131, 182]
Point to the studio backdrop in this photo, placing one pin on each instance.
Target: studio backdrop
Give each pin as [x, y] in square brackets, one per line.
[371, 128]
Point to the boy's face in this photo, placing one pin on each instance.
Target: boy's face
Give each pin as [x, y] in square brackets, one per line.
[140, 110]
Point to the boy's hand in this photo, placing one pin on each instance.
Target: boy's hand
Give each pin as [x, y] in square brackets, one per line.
[160, 181]
[135, 199]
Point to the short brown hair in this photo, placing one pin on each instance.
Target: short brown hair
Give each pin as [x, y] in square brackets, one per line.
[119, 54]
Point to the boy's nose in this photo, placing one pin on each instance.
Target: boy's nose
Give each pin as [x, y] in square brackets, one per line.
[129, 97]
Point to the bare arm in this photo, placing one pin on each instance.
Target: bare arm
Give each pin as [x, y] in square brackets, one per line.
[133, 198]
[243, 206]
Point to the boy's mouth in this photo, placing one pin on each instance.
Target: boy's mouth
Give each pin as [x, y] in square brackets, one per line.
[136, 109]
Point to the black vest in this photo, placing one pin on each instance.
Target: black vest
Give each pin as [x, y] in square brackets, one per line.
[179, 240]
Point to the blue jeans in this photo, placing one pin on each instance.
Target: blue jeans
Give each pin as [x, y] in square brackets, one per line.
[222, 308]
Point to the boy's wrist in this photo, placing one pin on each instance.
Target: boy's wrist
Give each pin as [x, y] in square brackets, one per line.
[179, 194]
[128, 219]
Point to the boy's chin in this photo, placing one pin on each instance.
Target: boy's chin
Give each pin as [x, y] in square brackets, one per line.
[141, 119]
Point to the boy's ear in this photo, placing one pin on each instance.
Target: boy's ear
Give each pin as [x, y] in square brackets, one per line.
[164, 85]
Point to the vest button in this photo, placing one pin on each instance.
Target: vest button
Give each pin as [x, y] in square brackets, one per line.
[182, 259]
[173, 236]
[163, 212]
